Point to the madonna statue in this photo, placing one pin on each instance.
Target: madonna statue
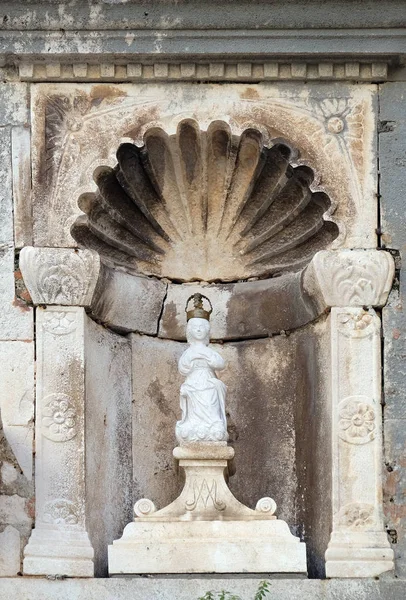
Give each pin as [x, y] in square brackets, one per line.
[202, 395]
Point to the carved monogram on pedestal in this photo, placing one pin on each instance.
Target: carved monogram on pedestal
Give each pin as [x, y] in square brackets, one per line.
[206, 492]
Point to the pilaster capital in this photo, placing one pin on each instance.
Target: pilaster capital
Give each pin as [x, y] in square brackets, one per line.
[350, 277]
[62, 276]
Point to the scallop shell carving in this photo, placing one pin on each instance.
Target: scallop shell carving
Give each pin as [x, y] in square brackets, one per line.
[204, 205]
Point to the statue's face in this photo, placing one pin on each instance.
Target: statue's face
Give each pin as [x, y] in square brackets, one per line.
[198, 330]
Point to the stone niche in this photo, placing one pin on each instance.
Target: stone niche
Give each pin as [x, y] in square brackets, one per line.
[263, 198]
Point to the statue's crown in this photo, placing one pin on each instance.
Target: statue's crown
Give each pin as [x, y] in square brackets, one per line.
[198, 312]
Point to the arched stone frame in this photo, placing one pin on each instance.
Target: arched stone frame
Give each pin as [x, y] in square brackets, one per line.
[332, 119]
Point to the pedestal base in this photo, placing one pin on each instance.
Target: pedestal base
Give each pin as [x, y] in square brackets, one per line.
[53, 551]
[207, 547]
[206, 529]
[362, 554]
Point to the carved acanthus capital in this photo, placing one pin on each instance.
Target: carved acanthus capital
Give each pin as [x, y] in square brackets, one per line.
[62, 276]
[350, 277]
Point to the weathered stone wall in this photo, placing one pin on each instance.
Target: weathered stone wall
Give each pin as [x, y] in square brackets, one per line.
[16, 347]
[392, 165]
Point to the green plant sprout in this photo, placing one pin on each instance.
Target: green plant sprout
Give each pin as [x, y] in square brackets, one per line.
[262, 591]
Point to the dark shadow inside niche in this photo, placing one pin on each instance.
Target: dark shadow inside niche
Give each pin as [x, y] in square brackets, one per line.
[210, 205]
[278, 420]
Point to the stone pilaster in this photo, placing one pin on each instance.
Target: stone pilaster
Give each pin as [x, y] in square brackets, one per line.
[62, 282]
[351, 283]
[59, 543]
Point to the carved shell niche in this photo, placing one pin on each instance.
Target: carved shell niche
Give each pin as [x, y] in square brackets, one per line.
[204, 205]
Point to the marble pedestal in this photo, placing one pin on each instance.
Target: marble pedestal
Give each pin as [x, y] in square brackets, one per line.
[206, 529]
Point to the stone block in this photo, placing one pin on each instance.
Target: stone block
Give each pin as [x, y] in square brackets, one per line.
[394, 485]
[392, 163]
[128, 303]
[14, 104]
[13, 512]
[17, 382]
[9, 552]
[242, 310]
[21, 158]
[17, 399]
[21, 440]
[6, 193]
[109, 498]
[193, 587]
[394, 332]
[16, 317]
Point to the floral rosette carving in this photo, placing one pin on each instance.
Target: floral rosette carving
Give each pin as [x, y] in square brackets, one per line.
[357, 323]
[61, 512]
[58, 418]
[59, 322]
[357, 515]
[144, 507]
[357, 422]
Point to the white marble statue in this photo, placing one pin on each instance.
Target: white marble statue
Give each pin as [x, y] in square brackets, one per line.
[202, 395]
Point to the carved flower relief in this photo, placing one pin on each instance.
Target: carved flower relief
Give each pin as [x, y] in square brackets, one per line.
[357, 424]
[62, 283]
[61, 511]
[356, 515]
[360, 322]
[58, 418]
[334, 112]
[59, 323]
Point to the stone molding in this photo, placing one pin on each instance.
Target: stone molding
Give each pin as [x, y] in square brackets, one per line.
[190, 70]
[350, 277]
[61, 276]
[378, 44]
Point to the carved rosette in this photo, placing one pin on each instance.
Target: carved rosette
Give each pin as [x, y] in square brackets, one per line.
[144, 507]
[59, 276]
[61, 512]
[59, 323]
[357, 422]
[58, 418]
[357, 516]
[358, 323]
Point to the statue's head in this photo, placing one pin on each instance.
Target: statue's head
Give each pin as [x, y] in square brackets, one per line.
[198, 330]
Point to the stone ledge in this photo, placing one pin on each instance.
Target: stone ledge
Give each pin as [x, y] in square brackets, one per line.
[191, 588]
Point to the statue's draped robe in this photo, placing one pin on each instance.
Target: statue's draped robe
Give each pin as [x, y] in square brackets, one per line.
[202, 398]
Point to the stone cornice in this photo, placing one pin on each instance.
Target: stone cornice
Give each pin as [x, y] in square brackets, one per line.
[195, 14]
[369, 45]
